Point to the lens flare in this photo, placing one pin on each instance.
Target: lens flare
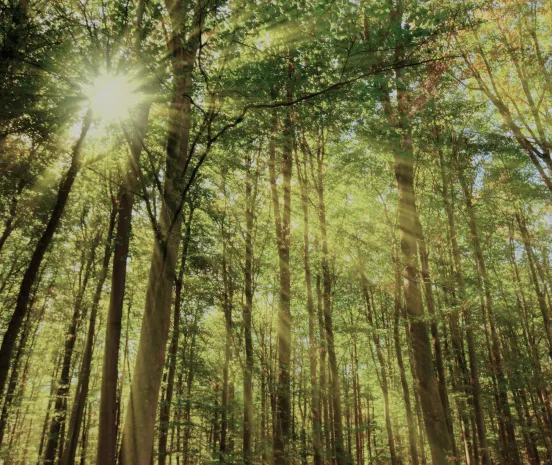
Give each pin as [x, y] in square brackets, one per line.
[111, 97]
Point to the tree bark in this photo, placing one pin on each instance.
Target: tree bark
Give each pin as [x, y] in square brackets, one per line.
[165, 410]
[475, 387]
[412, 436]
[335, 393]
[247, 312]
[532, 260]
[227, 305]
[31, 273]
[383, 368]
[510, 451]
[283, 230]
[434, 418]
[17, 361]
[315, 395]
[107, 437]
[138, 433]
[64, 384]
[12, 214]
[81, 391]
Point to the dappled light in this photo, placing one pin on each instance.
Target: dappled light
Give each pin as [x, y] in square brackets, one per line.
[275, 232]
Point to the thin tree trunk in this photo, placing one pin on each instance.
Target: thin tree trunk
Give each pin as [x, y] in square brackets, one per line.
[12, 212]
[31, 273]
[359, 423]
[323, 384]
[533, 263]
[335, 394]
[412, 436]
[107, 437]
[165, 411]
[81, 392]
[466, 312]
[247, 313]
[227, 303]
[383, 368]
[44, 435]
[188, 399]
[282, 421]
[55, 436]
[511, 450]
[315, 394]
[14, 376]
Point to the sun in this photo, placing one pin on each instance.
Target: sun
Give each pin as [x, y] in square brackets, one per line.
[111, 97]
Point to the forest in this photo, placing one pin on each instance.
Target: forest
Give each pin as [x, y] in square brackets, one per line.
[275, 232]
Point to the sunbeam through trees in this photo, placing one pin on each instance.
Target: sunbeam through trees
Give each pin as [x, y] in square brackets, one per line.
[275, 232]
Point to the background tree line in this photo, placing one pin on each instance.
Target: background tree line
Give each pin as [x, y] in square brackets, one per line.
[320, 234]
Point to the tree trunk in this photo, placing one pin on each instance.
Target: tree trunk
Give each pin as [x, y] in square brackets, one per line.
[434, 418]
[437, 348]
[283, 231]
[466, 312]
[12, 212]
[137, 439]
[247, 312]
[31, 273]
[335, 394]
[383, 369]
[533, 263]
[44, 434]
[55, 438]
[14, 376]
[323, 402]
[81, 392]
[315, 397]
[412, 436]
[107, 437]
[510, 445]
[227, 304]
[165, 411]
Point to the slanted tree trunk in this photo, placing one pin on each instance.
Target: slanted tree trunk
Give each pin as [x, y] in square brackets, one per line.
[510, 451]
[55, 438]
[315, 395]
[107, 437]
[81, 391]
[250, 198]
[109, 407]
[138, 433]
[17, 362]
[541, 292]
[282, 421]
[44, 434]
[165, 410]
[383, 368]
[335, 393]
[434, 417]
[412, 436]
[12, 213]
[31, 273]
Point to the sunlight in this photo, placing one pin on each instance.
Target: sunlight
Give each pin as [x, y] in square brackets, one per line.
[111, 97]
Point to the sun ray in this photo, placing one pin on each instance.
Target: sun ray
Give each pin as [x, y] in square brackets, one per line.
[112, 97]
